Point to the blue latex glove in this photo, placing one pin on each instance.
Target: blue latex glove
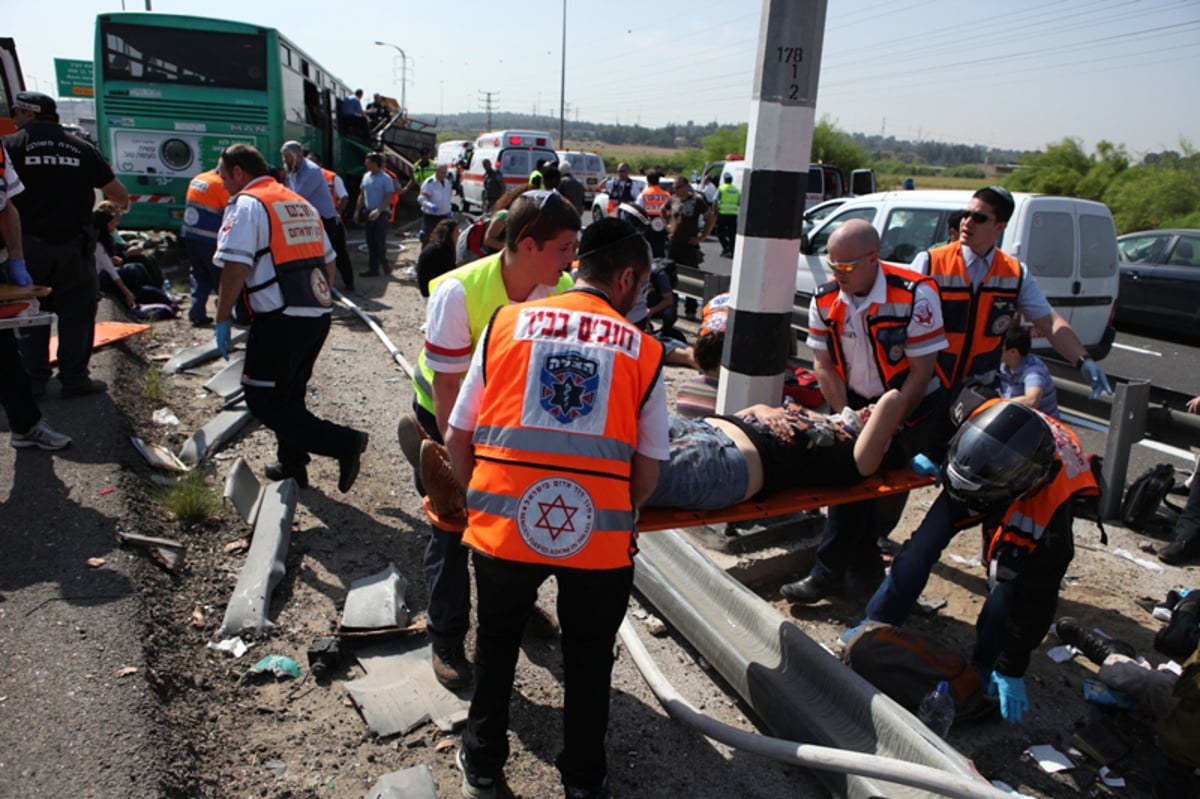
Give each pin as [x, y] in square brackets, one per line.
[1095, 376]
[224, 334]
[18, 273]
[1013, 701]
[922, 465]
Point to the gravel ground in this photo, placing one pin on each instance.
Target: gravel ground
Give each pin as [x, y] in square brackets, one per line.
[186, 725]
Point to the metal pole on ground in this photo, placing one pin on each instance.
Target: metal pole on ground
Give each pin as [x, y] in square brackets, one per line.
[771, 216]
[1127, 424]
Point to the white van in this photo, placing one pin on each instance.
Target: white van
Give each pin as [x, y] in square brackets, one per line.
[1069, 245]
[588, 169]
[514, 152]
[825, 181]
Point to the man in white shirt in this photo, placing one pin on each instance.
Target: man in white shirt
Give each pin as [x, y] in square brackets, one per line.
[435, 198]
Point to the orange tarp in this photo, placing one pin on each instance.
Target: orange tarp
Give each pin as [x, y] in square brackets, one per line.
[106, 333]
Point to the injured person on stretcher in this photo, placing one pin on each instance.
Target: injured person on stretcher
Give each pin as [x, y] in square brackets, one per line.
[719, 461]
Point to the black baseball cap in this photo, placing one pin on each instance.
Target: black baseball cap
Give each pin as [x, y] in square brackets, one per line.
[36, 102]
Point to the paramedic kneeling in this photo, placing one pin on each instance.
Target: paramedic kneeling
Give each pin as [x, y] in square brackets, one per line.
[557, 434]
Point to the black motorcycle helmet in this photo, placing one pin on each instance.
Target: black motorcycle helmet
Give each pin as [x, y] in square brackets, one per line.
[998, 455]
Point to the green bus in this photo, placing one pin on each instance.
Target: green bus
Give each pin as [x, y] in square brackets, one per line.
[173, 91]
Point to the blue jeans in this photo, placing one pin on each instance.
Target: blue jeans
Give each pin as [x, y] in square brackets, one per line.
[206, 277]
[706, 470]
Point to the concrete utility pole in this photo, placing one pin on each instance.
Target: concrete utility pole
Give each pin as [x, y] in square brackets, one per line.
[562, 85]
[771, 216]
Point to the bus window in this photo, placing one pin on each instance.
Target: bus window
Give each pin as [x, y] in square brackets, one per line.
[204, 58]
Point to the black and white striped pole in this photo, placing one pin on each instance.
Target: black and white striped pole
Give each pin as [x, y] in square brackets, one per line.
[771, 217]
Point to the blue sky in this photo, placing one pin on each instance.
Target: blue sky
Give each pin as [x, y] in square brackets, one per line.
[1020, 74]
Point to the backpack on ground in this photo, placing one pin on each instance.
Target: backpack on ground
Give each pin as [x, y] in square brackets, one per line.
[1145, 496]
[907, 665]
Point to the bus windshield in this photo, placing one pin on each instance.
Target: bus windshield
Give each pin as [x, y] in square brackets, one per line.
[191, 57]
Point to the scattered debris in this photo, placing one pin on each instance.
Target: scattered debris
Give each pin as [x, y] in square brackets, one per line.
[929, 607]
[198, 619]
[243, 490]
[157, 456]
[228, 382]
[440, 746]
[972, 561]
[1145, 564]
[1110, 779]
[282, 667]
[415, 782]
[1062, 653]
[104, 492]
[324, 656]
[400, 693]
[1049, 759]
[1102, 740]
[1001, 785]
[376, 601]
[199, 353]
[1099, 693]
[125, 671]
[167, 552]
[656, 626]
[235, 647]
[276, 767]
[96, 563]
[251, 600]
[214, 435]
[165, 416]
[241, 545]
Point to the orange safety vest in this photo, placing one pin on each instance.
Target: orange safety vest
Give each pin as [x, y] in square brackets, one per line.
[653, 200]
[296, 245]
[1026, 520]
[329, 176]
[975, 320]
[565, 380]
[206, 201]
[395, 194]
[887, 323]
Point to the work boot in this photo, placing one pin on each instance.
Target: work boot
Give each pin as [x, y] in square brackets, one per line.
[1181, 636]
[438, 479]
[451, 667]
[811, 589]
[83, 388]
[410, 434]
[1180, 550]
[348, 465]
[277, 472]
[1094, 646]
[477, 787]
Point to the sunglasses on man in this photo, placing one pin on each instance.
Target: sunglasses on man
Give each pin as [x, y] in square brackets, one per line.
[978, 217]
[847, 266]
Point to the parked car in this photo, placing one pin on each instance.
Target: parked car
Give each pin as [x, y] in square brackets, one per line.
[600, 201]
[815, 215]
[1160, 280]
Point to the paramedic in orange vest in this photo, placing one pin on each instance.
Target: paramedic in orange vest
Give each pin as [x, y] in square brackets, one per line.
[276, 266]
[557, 434]
[206, 200]
[337, 186]
[1016, 471]
[872, 328]
[652, 200]
[985, 290]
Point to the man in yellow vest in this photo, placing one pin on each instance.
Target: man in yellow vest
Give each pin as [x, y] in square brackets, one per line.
[540, 244]
[727, 213]
[557, 434]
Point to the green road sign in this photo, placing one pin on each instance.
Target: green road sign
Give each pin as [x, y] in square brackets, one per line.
[74, 77]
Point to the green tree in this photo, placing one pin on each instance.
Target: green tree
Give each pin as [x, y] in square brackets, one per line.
[1058, 170]
[831, 145]
[723, 141]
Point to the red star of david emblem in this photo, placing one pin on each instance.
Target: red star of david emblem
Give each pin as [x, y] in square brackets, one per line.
[556, 518]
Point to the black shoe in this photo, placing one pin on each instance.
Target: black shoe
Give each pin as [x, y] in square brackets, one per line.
[369, 273]
[205, 321]
[809, 590]
[348, 464]
[451, 667]
[277, 472]
[1094, 646]
[1180, 550]
[89, 386]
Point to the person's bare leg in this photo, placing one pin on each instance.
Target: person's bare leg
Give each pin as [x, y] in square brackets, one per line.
[886, 415]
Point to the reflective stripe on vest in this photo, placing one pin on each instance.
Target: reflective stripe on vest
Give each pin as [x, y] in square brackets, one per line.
[297, 249]
[1026, 520]
[975, 320]
[484, 292]
[565, 379]
[727, 200]
[206, 201]
[887, 324]
[653, 199]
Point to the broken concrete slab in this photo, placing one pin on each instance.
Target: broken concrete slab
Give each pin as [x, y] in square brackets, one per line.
[243, 490]
[214, 435]
[376, 601]
[158, 456]
[411, 783]
[167, 552]
[400, 692]
[251, 600]
[228, 381]
[198, 353]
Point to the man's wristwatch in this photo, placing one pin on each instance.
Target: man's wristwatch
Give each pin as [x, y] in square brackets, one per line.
[1082, 360]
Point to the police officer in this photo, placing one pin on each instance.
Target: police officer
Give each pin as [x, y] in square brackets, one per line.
[308, 180]
[874, 327]
[555, 468]
[728, 198]
[60, 173]
[276, 263]
[206, 201]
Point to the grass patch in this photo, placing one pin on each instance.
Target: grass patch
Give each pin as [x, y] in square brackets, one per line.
[191, 498]
[154, 390]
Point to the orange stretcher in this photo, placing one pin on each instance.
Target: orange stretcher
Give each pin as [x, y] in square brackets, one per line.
[15, 299]
[106, 333]
[779, 503]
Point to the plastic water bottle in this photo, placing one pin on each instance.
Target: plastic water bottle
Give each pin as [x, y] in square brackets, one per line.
[167, 287]
[937, 709]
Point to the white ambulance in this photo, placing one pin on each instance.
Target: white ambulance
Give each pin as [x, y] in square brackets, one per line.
[514, 152]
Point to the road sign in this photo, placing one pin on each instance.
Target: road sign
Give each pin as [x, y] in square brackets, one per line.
[74, 77]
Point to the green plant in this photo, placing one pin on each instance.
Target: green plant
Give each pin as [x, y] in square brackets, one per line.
[191, 498]
[154, 384]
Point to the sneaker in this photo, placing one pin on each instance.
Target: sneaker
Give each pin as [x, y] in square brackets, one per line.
[348, 465]
[848, 636]
[1094, 646]
[438, 479]
[84, 388]
[476, 787]
[410, 434]
[277, 472]
[42, 436]
[451, 667]
[809, 590]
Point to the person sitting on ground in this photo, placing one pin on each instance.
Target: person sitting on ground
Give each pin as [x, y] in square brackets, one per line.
[106, 217]
[698, 396]
[1185, 545]
[1024, 376]
[437, 257]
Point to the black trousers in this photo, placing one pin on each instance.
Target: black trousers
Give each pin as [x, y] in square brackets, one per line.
[68, 268]
[727, 231]
[16, 394]
[280, 354]
[591, 605]
[337, 237]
